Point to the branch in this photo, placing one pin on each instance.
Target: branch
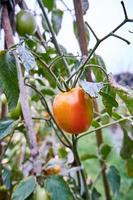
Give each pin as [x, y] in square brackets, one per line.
[124, 10]
[52, 33]
[28, 120]
[79, 71]
[105, 126]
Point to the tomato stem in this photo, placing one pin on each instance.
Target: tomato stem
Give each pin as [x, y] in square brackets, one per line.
[78, 163]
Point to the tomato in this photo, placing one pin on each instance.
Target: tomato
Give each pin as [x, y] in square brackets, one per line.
[25, 23]
[73, 110]
[56, 169]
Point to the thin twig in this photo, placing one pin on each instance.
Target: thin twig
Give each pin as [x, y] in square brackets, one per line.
[124, 10]
[105, 126]
[44, 102]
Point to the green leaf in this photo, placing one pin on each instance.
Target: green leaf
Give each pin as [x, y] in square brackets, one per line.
[8, 78]
[108, 97]
[57, 20]
[104, 150]
[49, 4]
[127, 97]
[127, 146]
[24, 189]
[58, 188]
[6, 177]
[129, 166]
[44, 24]
[7, 126]
[95, 123]
[88, 156]
[95, 195]
[91, 88]
[114, 179]
[97, 60]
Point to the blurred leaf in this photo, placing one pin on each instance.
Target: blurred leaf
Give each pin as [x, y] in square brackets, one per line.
[7, 127]
[116, 116]
[127, 146]
[114, 179]
[41, 194]
[88, 156]
[97, 60]
[57, 20]
[26, 58]
[76, 32]
[6, 177]
[85, 6]
[105, 119]
[62, 153]
[127, 97]
[95, 123]
[129, 165]
[49, 4]
[8, 78]
[48, 91]
[24, 189]
[91, 88]
[58, 188]
[108, 97]
[95, 195]
[104, 150]
[44, 24]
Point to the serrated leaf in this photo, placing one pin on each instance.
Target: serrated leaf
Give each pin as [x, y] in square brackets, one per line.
[91, 88]
[49, 4]
[8, 78]
[24, 189]
[127, 146]
[97, 60]
[127, 97]
[108, 97]
[129, 166]
[58, 188]
[114, 179]
[57, 15]
[125, 94]
[26, 58]
[7, 126]
[104, 150]
[6, 177]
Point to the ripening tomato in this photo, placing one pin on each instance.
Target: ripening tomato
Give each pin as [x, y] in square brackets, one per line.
[73, 110]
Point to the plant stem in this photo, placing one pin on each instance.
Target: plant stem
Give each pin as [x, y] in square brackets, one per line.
[78, 163]
[106, 125]
[53, 34]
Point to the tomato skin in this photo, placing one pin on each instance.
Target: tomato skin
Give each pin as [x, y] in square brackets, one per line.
[73, 110]
[25, 23]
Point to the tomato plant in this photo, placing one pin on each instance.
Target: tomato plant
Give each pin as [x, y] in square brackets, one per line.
[60, 110]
